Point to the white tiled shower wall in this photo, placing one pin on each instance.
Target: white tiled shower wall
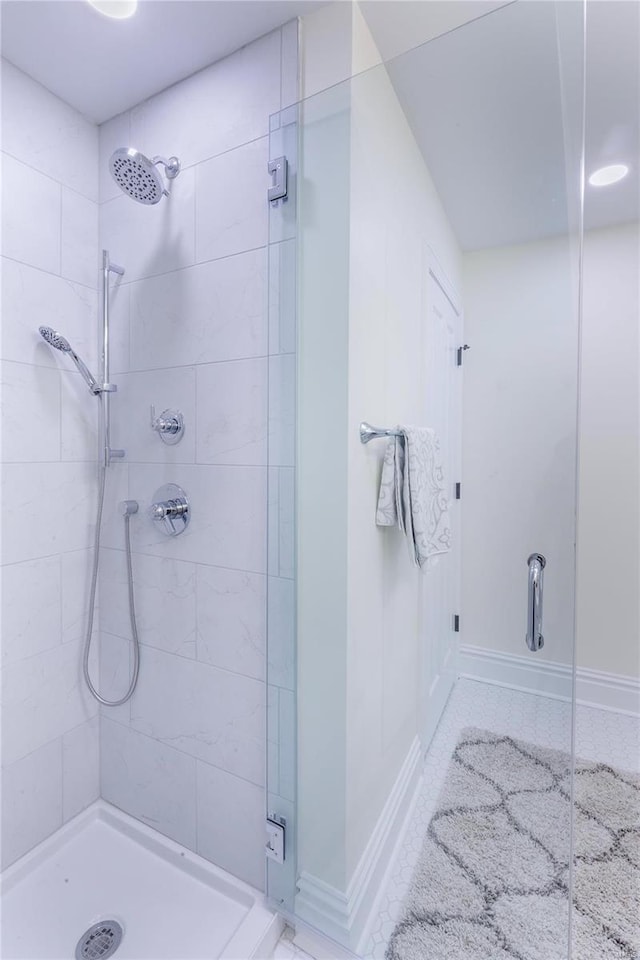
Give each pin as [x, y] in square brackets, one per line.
[190, 330]
[49, 274]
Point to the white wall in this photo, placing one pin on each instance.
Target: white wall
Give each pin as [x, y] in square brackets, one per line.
[520, 415]
[609, 517]
[187, 754]
[519, 443]
[391, 231]
[358, 642]
[49, 276]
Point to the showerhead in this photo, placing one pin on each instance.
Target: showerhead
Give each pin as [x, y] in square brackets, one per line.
[55, 339]
[139, 177]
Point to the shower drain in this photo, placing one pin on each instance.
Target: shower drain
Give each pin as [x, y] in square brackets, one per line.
[99, 941]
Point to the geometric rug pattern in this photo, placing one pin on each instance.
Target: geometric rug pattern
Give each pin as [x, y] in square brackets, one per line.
[492, 879]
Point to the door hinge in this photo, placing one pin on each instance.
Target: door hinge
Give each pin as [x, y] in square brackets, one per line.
[458, 490]
[456, 623]
[274, 847]
[461, 350]
[279, 170]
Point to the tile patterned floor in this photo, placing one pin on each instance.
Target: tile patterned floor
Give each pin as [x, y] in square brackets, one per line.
[600, 736]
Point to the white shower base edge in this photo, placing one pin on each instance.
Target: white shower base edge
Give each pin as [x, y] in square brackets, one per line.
[171, 903]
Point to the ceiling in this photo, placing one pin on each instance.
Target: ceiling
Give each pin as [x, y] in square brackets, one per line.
[484, 99]
[103, 66]
[485, 103]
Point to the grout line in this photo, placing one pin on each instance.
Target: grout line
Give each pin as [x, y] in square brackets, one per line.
[49, 273]
[196, 263]
[170, 746]
[48, 176]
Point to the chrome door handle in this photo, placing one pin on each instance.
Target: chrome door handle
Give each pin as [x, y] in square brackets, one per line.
[535, 640]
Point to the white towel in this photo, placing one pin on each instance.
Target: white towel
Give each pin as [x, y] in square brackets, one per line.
[412, 493]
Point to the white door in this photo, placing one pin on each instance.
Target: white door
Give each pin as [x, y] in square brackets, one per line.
[442, 336]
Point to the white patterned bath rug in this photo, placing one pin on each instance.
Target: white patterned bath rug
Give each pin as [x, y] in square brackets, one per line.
[492, 879]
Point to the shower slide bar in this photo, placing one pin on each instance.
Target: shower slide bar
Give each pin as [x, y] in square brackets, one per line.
[108, 453]
[368, 432]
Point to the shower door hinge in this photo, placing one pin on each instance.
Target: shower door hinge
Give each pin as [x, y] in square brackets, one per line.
[456, 623]
[274, 847]
[460, 352]
[458, 490]
[279, 170]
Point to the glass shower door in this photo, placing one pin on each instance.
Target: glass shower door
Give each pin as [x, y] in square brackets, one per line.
[432, 277]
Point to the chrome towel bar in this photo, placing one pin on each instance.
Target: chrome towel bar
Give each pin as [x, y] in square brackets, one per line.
[367, 432]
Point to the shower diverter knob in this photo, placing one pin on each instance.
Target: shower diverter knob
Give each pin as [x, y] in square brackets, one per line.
[170, 509]
[169, 425]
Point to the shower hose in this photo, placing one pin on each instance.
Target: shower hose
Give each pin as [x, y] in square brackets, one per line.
[92, 603]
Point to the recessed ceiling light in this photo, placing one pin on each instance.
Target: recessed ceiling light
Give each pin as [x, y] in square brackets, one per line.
[118, 9]
[606, 175]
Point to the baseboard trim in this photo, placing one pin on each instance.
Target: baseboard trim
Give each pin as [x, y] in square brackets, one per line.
[607, 691]
[345, 916]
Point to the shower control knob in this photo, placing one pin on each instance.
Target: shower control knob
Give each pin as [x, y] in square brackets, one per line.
[169, 425]
[170, 509]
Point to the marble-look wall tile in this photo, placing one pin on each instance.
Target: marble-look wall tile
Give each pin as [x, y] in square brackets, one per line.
[232, 620]
[43, 697]
[273, 737]
[165, 600]
[76, 578]
[80, 768]
[289, 67]
[30, 404]
[150, 781]
[228, 522]
[49, 273]
[193, 311]
[79, 238]
[232, 412]
[282, 297]
[150, 240]
[231, 816]
[31, 800]
[30, 216]
[216, 109]
[208, 713]
[281, 632]
[175, 389]
[32, 528]
[31, 298]
[119, 324]
[79, 413]
[47, 134]
[286, 522]
[287, 744]
[232, 202]
[112, 134]
[113, 676]
[282, 410]
[31, 611]
[117, 489]
[213, 311]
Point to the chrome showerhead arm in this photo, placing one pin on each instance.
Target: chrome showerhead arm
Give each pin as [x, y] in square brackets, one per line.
[171, 166]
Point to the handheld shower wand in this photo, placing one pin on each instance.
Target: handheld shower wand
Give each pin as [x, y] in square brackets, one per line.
[55, 339]
[103, 391]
